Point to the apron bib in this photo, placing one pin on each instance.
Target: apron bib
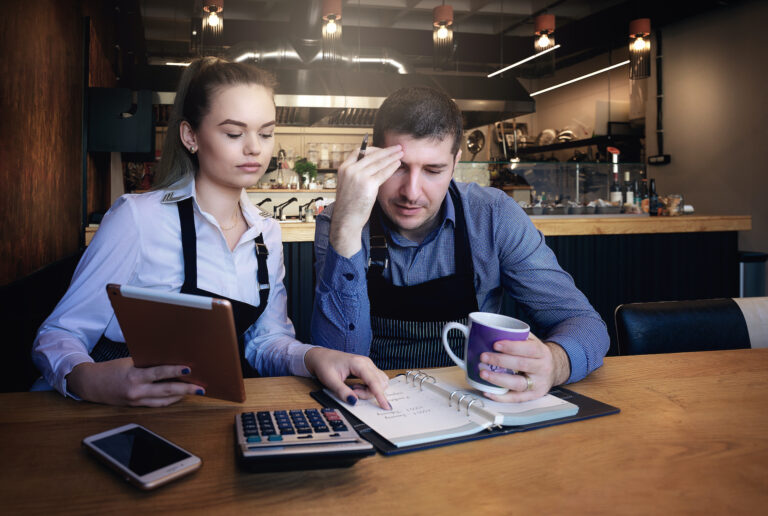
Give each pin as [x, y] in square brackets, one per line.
[407, 321]
[245, 314]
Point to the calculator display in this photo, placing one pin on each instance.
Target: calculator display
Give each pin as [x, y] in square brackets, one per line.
[140, 451]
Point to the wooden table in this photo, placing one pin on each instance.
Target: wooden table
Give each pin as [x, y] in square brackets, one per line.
[692, 437]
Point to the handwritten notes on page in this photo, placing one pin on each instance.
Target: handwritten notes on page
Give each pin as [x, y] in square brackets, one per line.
[416, 416]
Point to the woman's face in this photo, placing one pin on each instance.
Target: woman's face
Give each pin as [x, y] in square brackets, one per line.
[236, 137]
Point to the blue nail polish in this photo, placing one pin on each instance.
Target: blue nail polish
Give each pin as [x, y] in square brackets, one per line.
[185, 370]
[389, 407]
[351, 400]
[199, 392]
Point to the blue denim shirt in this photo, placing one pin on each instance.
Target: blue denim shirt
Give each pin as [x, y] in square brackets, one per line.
[508, 253]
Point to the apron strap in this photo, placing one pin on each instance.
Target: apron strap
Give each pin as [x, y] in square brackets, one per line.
[262, 274]
[188, 244]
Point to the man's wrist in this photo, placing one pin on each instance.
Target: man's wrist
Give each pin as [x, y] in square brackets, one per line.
[560, 362]
[345, 238]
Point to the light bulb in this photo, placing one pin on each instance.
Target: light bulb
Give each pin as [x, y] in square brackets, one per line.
[638, 45]
[330, 27]
[442, 32]
[543, 41]
[213, 19]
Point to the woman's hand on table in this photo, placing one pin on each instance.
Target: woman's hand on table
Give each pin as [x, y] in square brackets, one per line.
[333, 367]
[118, 382]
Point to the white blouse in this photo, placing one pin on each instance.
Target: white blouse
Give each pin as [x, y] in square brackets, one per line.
[139, 243]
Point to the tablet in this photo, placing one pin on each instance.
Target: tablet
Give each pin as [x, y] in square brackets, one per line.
[169, 328]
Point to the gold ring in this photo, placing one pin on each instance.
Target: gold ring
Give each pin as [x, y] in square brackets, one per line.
[528, 382]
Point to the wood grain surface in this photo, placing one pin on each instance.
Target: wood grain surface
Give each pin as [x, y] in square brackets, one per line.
[690, 438]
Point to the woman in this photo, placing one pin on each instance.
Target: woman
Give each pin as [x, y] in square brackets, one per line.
[197, 233]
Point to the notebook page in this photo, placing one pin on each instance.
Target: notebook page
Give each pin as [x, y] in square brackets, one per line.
[416, 416]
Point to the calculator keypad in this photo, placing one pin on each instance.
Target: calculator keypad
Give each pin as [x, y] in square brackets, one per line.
[264, 429]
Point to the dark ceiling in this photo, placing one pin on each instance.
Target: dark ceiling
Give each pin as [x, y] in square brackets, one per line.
[488, 34]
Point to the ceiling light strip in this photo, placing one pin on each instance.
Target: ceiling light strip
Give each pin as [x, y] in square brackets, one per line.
[578, 78]
[534, 56]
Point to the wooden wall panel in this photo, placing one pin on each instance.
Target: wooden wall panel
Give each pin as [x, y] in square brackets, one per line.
[41, 88]
[100, 75]
[40, 101]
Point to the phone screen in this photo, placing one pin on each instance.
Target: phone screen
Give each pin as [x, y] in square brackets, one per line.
[140, 451]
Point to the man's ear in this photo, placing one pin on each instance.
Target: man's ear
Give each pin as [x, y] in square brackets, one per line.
[187, 135]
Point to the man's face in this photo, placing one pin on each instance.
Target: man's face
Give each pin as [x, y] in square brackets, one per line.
[412, 197]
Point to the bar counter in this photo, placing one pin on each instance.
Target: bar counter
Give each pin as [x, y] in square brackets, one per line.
[573, 225]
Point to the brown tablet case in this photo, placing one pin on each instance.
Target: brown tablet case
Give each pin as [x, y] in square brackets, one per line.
[163, 332]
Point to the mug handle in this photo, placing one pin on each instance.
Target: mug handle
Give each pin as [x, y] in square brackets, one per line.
[463, 329]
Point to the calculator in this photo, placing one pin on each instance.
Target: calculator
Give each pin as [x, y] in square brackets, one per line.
[284, 440]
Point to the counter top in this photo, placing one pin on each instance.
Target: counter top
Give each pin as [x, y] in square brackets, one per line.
[571, 225]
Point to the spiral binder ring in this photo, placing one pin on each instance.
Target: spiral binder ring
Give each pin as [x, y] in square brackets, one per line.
[475, 400]
[426, 377]
[458, 407]
[450, 400]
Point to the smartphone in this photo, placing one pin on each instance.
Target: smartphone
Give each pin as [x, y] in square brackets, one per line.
[142, 457]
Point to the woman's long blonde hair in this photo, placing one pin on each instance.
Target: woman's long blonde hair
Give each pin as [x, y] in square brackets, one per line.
[198, 83]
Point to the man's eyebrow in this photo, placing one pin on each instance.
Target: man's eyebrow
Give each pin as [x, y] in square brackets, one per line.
[428, 165]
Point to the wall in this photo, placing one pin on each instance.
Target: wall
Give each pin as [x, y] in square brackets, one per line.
[716, 116]
[40, 98]
[41, 86]
[583, 106]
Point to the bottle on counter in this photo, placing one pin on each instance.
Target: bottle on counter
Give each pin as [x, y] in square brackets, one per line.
[615, 195]
[644, 195]
[629, 191]
[653, 199]
[638, 195]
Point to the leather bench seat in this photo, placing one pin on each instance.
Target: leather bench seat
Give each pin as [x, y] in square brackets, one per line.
[699, 325]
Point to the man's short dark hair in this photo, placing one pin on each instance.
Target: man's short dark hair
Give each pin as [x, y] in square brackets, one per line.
[419, 112]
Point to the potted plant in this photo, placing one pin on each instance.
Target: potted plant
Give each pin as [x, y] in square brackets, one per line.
[306, 170]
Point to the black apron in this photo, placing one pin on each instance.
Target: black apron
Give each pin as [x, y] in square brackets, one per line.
[245, 315]
[407, 321]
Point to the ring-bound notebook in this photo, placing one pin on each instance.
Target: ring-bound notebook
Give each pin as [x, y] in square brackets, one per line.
[436, 407]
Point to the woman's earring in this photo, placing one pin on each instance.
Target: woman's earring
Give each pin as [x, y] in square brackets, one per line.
[193, 149]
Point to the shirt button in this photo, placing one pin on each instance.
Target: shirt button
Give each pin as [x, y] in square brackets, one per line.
[349, 276]
[351, 326]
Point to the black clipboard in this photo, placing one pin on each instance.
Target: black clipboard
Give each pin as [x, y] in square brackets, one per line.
[588, 408]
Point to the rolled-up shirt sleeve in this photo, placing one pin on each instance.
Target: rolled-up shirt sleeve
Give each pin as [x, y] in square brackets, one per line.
[547, 294]
[341, 316]
[79, 320]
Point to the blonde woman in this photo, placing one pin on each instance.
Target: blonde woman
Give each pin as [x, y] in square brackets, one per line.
[196, 233]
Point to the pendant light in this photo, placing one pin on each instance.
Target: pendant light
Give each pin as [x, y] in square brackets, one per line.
[442, 34]
[331, 30]
[545, 29]
[213, 23]
[639, 48]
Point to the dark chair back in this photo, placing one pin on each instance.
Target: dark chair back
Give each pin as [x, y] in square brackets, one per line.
[24, 305]
[676, 326]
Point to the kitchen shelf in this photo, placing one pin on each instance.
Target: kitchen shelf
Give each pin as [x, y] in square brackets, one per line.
[595, 140]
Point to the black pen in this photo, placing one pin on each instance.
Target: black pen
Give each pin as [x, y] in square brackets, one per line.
[361, 154]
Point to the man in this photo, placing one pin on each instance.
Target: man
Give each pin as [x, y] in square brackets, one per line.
[404, 249]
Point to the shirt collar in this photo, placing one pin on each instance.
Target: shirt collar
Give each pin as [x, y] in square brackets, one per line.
[185, 188]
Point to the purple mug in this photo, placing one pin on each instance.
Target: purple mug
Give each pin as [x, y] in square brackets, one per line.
[484, 329]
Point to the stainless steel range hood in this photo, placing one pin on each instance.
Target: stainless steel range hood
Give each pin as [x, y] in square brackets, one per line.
[349, 97]
[312, 91]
